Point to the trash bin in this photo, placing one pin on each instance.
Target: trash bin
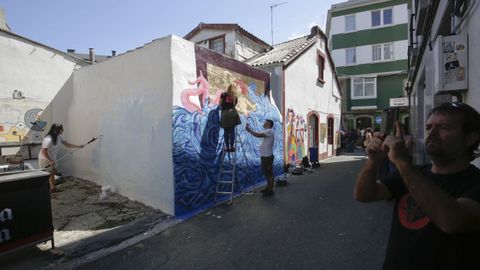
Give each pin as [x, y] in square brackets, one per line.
[313, 154]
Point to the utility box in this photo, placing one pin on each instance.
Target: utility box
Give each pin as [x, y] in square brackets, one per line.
[25, 210]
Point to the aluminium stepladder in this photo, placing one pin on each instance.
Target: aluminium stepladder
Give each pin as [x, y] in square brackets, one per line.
[227, 176]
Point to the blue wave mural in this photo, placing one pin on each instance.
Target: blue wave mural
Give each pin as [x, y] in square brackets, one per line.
[197, 149]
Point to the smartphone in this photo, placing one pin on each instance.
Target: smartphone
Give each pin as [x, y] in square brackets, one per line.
[389, 118]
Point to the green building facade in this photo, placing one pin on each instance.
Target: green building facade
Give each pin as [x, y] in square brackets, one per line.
[369, 45]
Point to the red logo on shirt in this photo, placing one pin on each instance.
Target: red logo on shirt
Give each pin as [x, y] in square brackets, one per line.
[410, 215]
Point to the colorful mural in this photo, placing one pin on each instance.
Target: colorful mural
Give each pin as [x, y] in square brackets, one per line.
[323, 132]
[198, 140]
[20, 123]
[295, 135]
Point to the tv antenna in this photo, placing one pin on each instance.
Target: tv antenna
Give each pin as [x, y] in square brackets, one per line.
[271, 16]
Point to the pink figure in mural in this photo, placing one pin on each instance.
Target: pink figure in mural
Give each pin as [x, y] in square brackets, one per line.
[201, 91]
[243, 87]
[216, 98]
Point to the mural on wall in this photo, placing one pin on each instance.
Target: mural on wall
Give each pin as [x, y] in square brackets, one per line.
[19, 122]
[198, 139]
[296, 127]
[323, 132]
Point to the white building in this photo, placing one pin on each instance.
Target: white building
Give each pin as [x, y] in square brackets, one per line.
[229, 39]
[306, 89]
[369, 43]
[444, 58]
[32, 74]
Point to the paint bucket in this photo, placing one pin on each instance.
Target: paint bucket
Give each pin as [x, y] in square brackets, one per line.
[106, 192]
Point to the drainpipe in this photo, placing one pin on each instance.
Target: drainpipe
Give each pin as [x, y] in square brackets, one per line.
[92, 55]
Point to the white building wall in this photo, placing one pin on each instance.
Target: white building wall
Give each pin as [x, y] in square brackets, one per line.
[422, 97]
[363, 20]
[128, 100]
[245, 48]
[303, 94]
[364, 54]
[39, 73]
[35, 70]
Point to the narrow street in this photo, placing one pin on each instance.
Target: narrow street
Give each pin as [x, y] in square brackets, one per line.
[313, 223]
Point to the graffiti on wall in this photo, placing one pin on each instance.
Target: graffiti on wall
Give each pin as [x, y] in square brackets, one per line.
[323, 132]
[20, 123]
[198, 140]
[295, 131]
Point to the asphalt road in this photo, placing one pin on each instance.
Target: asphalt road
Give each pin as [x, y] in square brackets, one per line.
[313, 223]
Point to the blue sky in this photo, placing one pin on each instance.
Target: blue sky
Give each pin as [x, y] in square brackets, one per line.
[123, 25]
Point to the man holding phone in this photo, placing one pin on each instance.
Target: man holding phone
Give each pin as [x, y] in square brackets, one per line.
[436, 221]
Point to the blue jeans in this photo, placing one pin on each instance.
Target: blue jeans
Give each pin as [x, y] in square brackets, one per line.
[229, 137]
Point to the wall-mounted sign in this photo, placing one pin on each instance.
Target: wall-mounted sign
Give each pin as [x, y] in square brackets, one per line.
[450, 63]
[399, 102]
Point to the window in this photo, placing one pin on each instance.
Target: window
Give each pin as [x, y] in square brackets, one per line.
[364, 88]
[349, 23]
[387, 16]
[387, 51]
[217, 45]
[321, 66]
[350, 56]
[377, 52]
[382, 52]
[382, 17]
[376, 18]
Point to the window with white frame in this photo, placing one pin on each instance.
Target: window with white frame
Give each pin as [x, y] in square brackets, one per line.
[382, 17]
[350, 23]
[382, 52]
[350, 55]
[364, 88]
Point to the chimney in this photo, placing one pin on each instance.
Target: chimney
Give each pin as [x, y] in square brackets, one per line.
[70, 50]
[92, 55]
[114, 53]
[315, 31]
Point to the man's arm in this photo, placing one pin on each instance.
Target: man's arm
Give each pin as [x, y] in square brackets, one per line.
[256, 134]
[450, 215]
[367, 187]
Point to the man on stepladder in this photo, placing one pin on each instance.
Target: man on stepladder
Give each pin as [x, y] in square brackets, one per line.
[266, 153]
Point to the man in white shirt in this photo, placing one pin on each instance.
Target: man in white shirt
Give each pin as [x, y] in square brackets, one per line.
[266, 153]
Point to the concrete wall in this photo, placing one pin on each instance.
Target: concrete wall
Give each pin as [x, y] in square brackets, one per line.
[245, 48]
[128, 100]
[39, 73]
[304, 95]
[198, 137]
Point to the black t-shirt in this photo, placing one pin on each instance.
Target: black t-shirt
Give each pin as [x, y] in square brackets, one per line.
[415, 242]
[228, 102]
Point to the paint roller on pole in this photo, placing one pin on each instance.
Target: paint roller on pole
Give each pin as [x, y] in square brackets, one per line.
[71, 152]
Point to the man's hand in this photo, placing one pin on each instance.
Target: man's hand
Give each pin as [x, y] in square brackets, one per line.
[374, 148]
[397, 146]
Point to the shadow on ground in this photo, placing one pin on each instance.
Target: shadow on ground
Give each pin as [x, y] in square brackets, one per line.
[84, 223]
